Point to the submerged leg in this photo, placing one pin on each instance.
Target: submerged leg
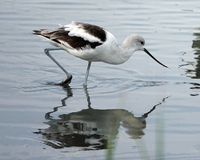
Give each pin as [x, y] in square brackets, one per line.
[69, 76]
[87, 73]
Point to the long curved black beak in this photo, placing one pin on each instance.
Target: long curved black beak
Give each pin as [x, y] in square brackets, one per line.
[154, 58]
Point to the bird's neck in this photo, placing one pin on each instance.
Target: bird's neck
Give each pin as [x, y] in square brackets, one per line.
[121, 54]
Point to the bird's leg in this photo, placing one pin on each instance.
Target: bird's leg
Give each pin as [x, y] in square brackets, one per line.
[69, 76]
[87, 73]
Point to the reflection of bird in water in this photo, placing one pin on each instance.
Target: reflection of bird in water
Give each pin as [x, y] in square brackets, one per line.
[91, 128]
[93, 44]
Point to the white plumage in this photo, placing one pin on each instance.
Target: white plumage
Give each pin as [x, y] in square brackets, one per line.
[76, 29]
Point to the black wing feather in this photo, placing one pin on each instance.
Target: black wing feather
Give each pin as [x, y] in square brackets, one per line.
[61, 34]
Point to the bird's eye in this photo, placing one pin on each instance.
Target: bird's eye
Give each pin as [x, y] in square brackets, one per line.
[142, 42]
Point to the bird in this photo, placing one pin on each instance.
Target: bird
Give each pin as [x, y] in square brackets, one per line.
[91, 43]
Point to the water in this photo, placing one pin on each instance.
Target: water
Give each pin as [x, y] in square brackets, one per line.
[137, 110]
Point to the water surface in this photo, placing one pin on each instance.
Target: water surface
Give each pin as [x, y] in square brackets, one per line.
[137, 110]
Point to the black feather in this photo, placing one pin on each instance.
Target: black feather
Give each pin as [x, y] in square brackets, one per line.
[60, 34]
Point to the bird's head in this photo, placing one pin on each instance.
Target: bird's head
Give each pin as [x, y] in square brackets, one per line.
[136, 43]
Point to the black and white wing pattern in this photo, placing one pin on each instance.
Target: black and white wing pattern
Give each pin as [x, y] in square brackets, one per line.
[76, 35]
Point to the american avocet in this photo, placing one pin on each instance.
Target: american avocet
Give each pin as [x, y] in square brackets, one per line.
[93, 44]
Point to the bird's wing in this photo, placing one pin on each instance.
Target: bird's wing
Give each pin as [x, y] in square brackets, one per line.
[88, 32]
[76, 35]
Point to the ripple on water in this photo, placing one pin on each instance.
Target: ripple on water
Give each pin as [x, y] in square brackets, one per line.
[108, 81]
[114, 80]
[119, 85]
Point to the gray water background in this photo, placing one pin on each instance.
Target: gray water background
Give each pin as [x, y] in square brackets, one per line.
[36, 124]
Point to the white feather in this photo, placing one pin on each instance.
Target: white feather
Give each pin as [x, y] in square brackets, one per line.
[77, 30]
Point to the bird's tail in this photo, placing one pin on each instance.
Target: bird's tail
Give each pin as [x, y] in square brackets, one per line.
[47, 34]
[37, 32]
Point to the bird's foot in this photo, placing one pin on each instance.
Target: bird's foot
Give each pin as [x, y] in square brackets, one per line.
[66, 81]
[85, 85]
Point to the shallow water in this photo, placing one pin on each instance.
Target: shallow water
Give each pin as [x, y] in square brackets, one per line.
[137, 110]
